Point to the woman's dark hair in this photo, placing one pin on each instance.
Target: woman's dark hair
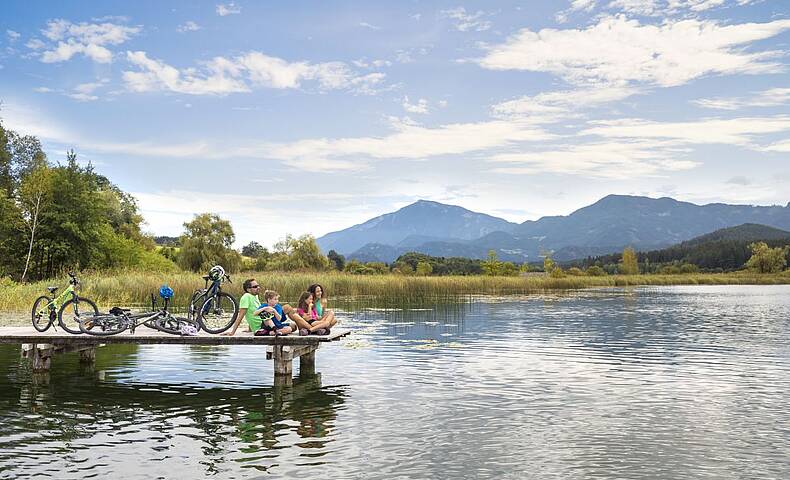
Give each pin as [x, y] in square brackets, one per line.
[312, 288]
[303, 301]
[247, 283]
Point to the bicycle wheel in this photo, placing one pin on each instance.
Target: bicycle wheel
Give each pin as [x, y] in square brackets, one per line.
[172, 325]
[103, 325]
[71, 312]
[197, 299]
[218, 312]
[43, 314]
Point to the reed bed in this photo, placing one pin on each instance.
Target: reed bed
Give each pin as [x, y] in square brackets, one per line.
[130, 288]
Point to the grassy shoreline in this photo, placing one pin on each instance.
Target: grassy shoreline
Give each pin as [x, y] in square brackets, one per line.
[134, 288]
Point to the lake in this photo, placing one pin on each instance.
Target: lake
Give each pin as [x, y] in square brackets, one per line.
[639, 383]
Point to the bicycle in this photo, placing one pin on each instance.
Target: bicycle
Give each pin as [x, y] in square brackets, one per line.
[217, 309]
[120, 319]
[68, 312]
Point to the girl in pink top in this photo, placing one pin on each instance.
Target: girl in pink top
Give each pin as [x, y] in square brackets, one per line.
[306, 310]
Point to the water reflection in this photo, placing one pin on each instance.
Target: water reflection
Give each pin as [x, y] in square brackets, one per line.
[76, 422]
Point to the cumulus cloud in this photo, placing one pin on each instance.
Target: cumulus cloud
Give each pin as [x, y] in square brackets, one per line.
[621, 51]
[188, 26]
[222, 76]
[652, 8]
[84, 92]
[420, 107]
[773, 97]
[576, 5]
[224, 10]
[87, 39]
[12, 35]
[465, 22]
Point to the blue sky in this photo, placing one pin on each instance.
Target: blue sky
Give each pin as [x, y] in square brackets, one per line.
[309, 117]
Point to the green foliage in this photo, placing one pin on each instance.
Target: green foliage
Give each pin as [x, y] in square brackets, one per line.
[301, 254]
[440, 265]
[423, 269]
[557, 272]
[207, 242]
[492, 266]
[595, 271]
[254, 250]
[575, 272]
[548, 263]
[765, 259]
[629, 264]
[402, 268]
[336, 261]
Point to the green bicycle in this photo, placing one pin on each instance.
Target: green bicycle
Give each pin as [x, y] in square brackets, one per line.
[67, 305]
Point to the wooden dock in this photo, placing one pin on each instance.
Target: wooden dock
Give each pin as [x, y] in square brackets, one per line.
[42, 346]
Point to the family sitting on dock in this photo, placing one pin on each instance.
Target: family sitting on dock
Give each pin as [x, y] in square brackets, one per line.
[311, 317]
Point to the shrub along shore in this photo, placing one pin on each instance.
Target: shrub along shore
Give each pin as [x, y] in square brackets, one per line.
[135, 288]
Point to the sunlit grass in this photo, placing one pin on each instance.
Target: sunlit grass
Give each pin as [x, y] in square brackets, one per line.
[135, 288]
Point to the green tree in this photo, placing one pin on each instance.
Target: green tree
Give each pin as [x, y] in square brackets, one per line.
[297, 254]
[254, 250]
[595, 271]
[629, 264]
[336, 261]
[207, 241]
[548, 263]
[492, 266]
[765, 259]
[33, 199]
[424, 269]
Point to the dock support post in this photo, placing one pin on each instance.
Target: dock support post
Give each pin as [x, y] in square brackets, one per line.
[307, 363]
[41, 354]
[88, 355]
[283, 360]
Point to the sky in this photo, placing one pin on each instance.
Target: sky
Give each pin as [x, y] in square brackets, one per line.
[310, 117]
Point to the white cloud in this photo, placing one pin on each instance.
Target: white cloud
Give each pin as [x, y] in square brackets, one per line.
[43, 90]
[222, 76]
[12, 35]
[773, 97]
[576, 5]
[410, 141]
[552, 107]
[188, 26]
[420, 107]
[35, 44]
[621, 51]
[780, 147]
[732, 131]
[368, 25]
[652, 8]
[465, 22]
[228, 9]
[84, 91]
[87, 39]
[615, 160]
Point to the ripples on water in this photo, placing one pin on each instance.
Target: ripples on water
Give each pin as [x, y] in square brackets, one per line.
[680, 382]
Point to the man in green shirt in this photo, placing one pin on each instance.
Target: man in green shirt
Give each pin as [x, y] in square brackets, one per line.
[249, 303]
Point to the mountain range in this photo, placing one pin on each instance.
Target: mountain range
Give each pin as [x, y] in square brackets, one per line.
[606, 226]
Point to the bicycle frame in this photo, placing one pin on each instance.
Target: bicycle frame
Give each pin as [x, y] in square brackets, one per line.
[56, 302]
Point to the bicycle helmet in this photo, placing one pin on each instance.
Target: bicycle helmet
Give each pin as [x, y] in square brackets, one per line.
[165, 292]
[216, 272]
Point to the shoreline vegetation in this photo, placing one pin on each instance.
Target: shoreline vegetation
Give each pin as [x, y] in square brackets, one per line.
[133, 288]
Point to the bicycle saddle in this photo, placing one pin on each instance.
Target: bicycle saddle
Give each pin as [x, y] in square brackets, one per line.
[206, 277]
[52, 289]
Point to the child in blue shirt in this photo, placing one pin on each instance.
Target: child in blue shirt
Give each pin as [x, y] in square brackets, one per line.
[274, 320]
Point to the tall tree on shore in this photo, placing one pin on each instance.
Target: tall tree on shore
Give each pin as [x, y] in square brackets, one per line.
[33, 196]
[208, 241]
[629, 264]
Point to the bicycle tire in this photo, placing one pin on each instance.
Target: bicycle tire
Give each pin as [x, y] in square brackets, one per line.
[71, 324]
[37, 316]
[218, 312]
[196, 300]
[172, 325]
[103, 325]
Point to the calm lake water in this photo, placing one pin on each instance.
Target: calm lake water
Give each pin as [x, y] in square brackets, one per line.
[653, 383]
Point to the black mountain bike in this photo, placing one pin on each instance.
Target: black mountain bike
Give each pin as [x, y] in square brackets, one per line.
[212, 308]
[69, 306]
[120, 319]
